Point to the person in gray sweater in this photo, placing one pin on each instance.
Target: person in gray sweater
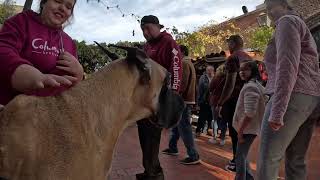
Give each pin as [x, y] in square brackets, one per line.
[292, 64]
[248, 116]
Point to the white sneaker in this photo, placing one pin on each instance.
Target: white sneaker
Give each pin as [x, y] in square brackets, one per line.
[212, 141]
[222, 142]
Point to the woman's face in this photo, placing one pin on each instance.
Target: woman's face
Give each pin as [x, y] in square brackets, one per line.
[275, 10]
[56, 12]
[245, 72]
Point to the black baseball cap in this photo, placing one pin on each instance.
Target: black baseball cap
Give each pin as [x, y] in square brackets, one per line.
[236, 39]
[150, 19]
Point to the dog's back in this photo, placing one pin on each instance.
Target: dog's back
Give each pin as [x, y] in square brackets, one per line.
[29, 133]
[13, 119]
[42, 135]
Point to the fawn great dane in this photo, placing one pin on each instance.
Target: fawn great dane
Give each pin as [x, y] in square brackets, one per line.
[72, 136]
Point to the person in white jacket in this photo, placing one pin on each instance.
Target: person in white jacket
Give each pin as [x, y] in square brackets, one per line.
[248, 116]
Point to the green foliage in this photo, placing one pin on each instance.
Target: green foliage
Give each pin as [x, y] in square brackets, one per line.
[260, 38]
[207, 39]
[92, 58]
[212, 37]
[7, 9]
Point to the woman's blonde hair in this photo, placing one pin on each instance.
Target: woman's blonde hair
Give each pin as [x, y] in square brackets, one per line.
[220, 70]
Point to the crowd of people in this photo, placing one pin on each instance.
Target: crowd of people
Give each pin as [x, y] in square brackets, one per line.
[39, 58]
[235, 97]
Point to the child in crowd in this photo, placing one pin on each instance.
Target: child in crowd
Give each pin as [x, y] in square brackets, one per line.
[248, 116]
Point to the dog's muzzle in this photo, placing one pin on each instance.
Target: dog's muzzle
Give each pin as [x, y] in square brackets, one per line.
[170, 107]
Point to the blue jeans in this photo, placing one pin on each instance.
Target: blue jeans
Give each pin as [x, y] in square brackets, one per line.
[291, 141]
[184, 130]
[242, 165]
[218, 123]
[205, 115]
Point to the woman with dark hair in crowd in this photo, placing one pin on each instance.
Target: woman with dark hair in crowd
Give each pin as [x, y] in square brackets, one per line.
[248, 116]
[215, 90]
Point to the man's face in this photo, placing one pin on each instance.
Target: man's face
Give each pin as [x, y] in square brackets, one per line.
[210, 71]
[231, 45]
[150, 31]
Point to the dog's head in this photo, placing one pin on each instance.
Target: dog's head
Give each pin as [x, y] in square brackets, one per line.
[153, 95]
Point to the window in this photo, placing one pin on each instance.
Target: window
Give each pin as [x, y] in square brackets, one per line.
[316, 35]
[263, 20]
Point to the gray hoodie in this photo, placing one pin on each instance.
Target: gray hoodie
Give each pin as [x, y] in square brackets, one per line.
[292, 64]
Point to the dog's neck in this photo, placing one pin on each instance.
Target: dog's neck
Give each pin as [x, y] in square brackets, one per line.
[109, 109]
[114, 101]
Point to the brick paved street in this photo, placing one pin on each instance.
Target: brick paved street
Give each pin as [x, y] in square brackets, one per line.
[127, 161]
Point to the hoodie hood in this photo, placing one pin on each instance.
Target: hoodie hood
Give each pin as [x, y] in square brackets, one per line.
[289, 13]
[162, 35]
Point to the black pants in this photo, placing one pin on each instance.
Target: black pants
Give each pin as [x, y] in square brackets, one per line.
[150, 136]
[205, 114]
[227, 113]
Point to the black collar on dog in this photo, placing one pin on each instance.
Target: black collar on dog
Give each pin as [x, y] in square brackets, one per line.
[165, 87]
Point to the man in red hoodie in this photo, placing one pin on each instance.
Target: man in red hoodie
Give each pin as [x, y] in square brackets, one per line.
[162, 48]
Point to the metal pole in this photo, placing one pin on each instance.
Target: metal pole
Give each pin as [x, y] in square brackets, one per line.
[27, 5]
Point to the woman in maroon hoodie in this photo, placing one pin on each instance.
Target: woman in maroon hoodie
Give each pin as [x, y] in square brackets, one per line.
[36, 56]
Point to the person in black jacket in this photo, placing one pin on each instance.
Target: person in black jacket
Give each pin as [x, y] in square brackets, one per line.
[205, 113]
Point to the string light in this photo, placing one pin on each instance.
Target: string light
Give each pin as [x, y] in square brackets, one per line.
[136, 17]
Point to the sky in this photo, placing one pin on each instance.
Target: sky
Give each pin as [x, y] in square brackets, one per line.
[94, 22]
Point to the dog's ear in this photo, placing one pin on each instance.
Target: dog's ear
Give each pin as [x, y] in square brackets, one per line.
[112, 56]
[139, 58]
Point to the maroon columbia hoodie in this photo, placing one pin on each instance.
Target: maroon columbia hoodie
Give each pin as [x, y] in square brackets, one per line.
[25, 40]
[165, 51]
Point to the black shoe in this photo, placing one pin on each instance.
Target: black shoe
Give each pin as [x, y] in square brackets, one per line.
[198, 134]
[231, 168]
[232, 162]
[190, 161]
[144, 176]
[170, 152]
